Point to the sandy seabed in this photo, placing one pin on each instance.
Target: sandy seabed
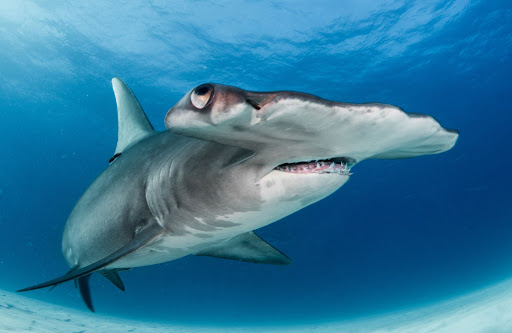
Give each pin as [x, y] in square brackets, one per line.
[488, 310]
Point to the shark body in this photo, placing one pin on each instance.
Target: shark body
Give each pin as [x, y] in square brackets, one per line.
[231, 161]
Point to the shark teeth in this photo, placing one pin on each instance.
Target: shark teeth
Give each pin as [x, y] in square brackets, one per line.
[319, 167]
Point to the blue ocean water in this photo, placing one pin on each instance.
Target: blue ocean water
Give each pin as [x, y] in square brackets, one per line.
[400, 234]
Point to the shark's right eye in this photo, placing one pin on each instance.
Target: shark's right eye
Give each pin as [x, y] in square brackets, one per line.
[201, 96]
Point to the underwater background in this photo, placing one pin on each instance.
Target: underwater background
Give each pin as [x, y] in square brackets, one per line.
[401, 234]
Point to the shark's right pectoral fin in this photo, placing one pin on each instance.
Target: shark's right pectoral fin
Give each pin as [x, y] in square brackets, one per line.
[247, 247]
[141, 239]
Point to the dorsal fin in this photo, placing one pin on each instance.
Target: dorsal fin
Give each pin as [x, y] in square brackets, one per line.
[133, 124]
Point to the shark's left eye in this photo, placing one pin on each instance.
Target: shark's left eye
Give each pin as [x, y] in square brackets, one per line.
[201, 96]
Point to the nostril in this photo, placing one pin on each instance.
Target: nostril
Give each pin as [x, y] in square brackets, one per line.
[253, 104]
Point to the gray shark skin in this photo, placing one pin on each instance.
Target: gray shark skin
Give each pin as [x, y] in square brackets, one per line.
[231, 161]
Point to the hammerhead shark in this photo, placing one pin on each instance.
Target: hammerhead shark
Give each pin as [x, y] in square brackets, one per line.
[231, 161]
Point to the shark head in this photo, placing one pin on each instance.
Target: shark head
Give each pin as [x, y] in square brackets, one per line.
[304, 143]
[299, 127]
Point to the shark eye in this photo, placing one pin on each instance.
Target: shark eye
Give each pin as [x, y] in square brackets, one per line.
[201, 96]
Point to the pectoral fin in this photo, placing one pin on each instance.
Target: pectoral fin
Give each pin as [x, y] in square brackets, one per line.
[141, 239]
[247, 247]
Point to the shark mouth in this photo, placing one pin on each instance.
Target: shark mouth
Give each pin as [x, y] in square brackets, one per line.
[339, 165]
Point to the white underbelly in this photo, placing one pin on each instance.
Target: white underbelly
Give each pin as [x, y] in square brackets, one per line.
[171, 247]
[282, 195]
